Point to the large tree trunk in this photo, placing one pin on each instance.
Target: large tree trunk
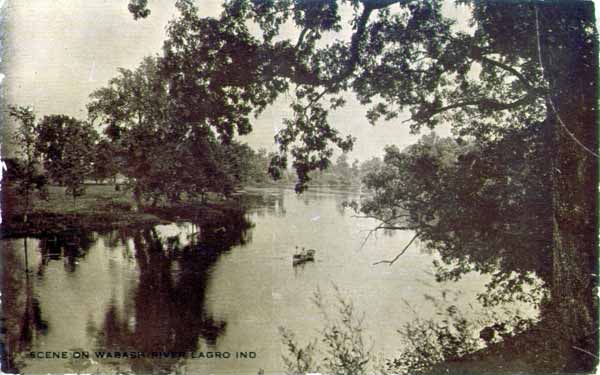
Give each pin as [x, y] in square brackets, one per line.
[574, 238]
[571, 70]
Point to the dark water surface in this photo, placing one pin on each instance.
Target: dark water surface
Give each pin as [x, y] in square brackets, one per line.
[222, 288]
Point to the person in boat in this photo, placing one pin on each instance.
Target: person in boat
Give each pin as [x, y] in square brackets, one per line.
[305, 254]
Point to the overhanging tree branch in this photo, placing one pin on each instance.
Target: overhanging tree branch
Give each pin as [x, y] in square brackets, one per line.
[392, 261]
[510, 69]
[301, 37]
[300, 74]
[483, 104]
[383, 226]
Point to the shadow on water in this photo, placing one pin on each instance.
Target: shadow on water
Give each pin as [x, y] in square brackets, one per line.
[71, 247]
[22, 322]
[164, 312]
[167, 312]
[264, 202]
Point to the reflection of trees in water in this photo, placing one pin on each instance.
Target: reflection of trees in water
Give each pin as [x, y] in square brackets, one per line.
[265, 203]
[22, 321]
[341, 198]
[69, 246]
[116, 239]
[317, 194]
[272, 202]
[166, 311]
[22, 318]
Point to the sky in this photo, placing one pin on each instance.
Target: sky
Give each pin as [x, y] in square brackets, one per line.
[56, 52]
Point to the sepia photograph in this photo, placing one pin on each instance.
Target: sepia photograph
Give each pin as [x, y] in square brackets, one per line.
[295, 187]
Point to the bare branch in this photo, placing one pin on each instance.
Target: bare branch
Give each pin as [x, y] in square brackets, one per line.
[381, 226]
[316, 99]
[391, 227]
[377, 218]
[390, 262]
[362, 244]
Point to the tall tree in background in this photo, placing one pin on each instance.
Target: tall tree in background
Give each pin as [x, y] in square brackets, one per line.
[133, 111]
[106, 161]
[26, 176]
[343, 168]
[171, 140]
[67, 147]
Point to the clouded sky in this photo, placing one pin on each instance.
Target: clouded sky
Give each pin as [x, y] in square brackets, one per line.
[56, 52]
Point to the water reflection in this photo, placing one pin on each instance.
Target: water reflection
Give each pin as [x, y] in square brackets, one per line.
[270, 201]
[263, 202]
[22, 320]
[167, 312]
[68, 247]
[164, 311]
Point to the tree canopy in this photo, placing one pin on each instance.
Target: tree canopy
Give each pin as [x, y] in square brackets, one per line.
[484, 208]
[25, 172]
[164, 147]
[66, 145]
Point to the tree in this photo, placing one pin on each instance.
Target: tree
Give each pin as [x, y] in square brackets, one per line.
[342, 168]
[482, 208]
[105, 164]
[527, 67]
[133, 109]
[67, 147]
[247, 165]
[355, 169]
[165, 143]
[24, 172]
[259, 170]
[370, 165]
[77, 161]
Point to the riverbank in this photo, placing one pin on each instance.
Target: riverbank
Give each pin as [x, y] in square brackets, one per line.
[100, 208]
[540, 349]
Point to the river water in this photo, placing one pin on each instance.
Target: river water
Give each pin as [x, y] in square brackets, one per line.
[144, 290]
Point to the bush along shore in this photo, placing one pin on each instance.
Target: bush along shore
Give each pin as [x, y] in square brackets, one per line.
[101, 208]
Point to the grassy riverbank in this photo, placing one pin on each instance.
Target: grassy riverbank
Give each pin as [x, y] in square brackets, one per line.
[100, 208]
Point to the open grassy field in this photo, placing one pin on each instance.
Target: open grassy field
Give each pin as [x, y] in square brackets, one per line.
[96, 198]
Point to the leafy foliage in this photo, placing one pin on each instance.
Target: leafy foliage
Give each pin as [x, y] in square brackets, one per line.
[139, 8]
[344, 350]
[164, 150]
[412, 58]
[483, 207]
[300, 360]
[106, 163]
[67, 147]
[24, 173]
[430, 342]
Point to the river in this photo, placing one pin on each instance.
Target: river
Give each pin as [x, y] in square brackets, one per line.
[143, 290]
